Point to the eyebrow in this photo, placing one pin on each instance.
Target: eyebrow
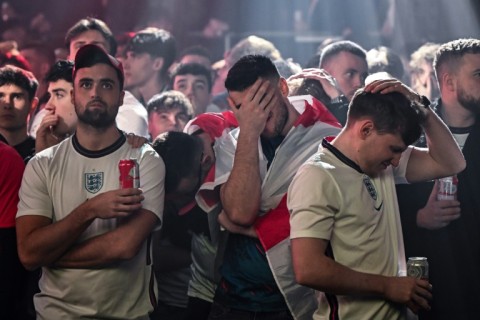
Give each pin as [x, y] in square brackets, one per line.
[14, 93]
[110, 80]
[59, 90]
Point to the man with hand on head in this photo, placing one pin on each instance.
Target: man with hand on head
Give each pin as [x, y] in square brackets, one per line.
[345, 225]
[254, 166]
[89, 236]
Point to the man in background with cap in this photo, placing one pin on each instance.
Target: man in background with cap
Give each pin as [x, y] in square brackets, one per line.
[89, 236]
[149, 55]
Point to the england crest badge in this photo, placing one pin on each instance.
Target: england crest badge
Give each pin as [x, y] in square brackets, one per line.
[93, 181]
[373, 193]
[370, 187]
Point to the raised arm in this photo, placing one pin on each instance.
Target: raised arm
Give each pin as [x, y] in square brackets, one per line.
[443, 156]
[44, 138]
[240, 195]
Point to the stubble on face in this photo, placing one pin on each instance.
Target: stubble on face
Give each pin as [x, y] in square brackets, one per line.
[95, 117]
[467, 100]
[97, 109]
[279, 117]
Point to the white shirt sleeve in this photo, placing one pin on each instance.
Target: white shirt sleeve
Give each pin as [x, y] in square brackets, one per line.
[132, 116]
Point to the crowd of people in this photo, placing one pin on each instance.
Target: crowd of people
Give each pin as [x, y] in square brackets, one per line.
[268, 189]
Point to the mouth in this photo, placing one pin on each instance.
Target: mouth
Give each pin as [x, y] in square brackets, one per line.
[96, 104]
[7, 116]
[385, 164]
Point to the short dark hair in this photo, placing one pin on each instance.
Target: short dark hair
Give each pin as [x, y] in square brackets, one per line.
[156, 42]
[449, 55]
[335, 48]
[168, 100]
[178, 151]
[19, 77]
[196, 69]
[390, 113]
[197, 50]
[247, 70]
[95, 24]
[60, 70]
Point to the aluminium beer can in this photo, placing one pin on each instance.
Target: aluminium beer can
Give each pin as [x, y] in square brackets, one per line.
[447, 188]
[417, 267]
[129, 173]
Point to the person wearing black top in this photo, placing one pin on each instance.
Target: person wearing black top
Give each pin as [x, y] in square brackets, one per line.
[17, 100]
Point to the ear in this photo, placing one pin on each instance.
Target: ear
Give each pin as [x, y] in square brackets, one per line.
[207, 163]
[231, 104]
[157, 64]
[449, 82]
[33, 106]
[366, 129]
[283, 85]
[120, 101]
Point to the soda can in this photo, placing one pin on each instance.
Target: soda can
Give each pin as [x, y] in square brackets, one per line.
[447, 188]
[417, 267]
[129, 173]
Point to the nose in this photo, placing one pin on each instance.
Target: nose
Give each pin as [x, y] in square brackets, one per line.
[173, 122]
[50, 106]
[6, 102]
[358, 81]
[189, 92]
[94, 91]
[395, 161]
[168, 121]
[178, 125]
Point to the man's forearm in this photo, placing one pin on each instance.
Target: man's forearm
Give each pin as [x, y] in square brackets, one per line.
[241, 193]
[329, 276]
[40, 242]
[119, 244]
[315, 270]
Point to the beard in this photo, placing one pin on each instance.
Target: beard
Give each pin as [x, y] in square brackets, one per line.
[468, 101]
[281, 119]
[97, 118]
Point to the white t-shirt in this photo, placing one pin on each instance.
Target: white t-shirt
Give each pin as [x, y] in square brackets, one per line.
[132, 116]
[59, 179]
[329, 199]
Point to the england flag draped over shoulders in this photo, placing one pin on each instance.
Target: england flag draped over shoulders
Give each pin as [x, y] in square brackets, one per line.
[273, 228]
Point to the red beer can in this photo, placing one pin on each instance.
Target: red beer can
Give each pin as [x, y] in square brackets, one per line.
[447, 188]
[129, 173]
